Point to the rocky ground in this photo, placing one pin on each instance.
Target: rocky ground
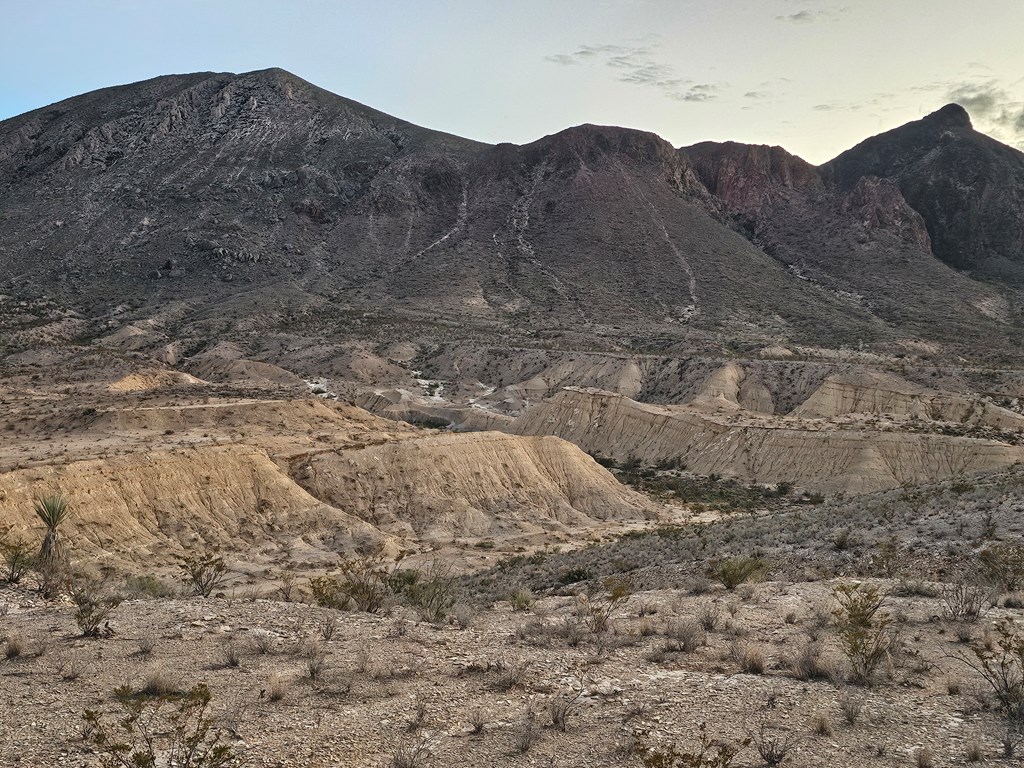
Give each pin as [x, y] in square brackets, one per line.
[295, 684]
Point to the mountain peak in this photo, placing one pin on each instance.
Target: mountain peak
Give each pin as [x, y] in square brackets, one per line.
[950, 116]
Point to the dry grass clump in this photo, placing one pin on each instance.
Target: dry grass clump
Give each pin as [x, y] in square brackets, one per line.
[684, 635]
[749, 657]
[808, 663]
[821, 724]
[159, 681]
[278, 687]
[14, 647]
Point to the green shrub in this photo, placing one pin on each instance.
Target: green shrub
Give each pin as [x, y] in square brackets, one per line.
[865, 632]
[93, 605]
[431, 591]
[737, 570]
[363, 583]
[1003, 566]
[17, 558]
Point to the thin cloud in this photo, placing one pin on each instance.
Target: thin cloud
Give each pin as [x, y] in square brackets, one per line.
[800, 17]
[814, 15]
[993, 108]
[638, 66]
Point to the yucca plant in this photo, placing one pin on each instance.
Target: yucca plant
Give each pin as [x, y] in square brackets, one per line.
[52, 510]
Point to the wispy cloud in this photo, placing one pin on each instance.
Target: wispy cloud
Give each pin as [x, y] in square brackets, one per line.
[638, 65]
[814, 15]
[993, 108]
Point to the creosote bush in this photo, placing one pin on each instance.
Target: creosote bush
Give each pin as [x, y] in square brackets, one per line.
[203, 572]
[162, 731]
[866, 634]
[1001, 663]
[93, 604]
[738, 570]
[16, 556]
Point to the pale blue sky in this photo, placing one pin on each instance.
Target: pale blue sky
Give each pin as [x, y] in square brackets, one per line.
[815, 76]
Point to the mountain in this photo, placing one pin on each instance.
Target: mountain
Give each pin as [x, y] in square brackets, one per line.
[967, 187]
[253, 207]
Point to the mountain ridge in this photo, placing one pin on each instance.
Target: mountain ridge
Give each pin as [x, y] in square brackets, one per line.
[180, 189]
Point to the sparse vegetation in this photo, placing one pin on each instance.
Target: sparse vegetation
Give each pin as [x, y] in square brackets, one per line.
[866, 634]
[160, 730]
[203, 572]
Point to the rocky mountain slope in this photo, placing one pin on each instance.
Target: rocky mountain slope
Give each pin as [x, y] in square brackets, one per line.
[220, 205]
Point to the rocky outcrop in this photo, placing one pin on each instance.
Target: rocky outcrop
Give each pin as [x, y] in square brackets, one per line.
[288, 209]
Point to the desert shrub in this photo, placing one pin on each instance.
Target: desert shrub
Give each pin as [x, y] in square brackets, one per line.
[708, 617]
[147, 586]
[93, 604]
[749, 657]
[160, 731]
[806, 663]
[412, 755]
[463, 615]
[146, 644]
[14, 647]
[363, 583]
[1003, 566]
[521, 599]
[17, 557]
[564, 705]
[509, 674]
[231, 653]
[773, 744]
[738, 570]
[478, 720]
[709, 754]
[684, 635]
[432, 591]
[974, 753]
[851, 707]
[1001, 663]
[203, 572]
[278, 687]
[597, 611]
[822, 724]
[574, 575]
[963, 601]
[865, 632]
[158, 683]
[526, 734]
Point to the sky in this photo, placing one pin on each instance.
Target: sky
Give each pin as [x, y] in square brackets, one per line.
[814, 76]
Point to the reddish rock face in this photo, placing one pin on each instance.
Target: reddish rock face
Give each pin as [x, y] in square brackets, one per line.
[748, 177]
[879, 204]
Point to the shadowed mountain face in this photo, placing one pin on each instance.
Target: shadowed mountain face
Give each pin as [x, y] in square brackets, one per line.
[968, 188]
[220, 204]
